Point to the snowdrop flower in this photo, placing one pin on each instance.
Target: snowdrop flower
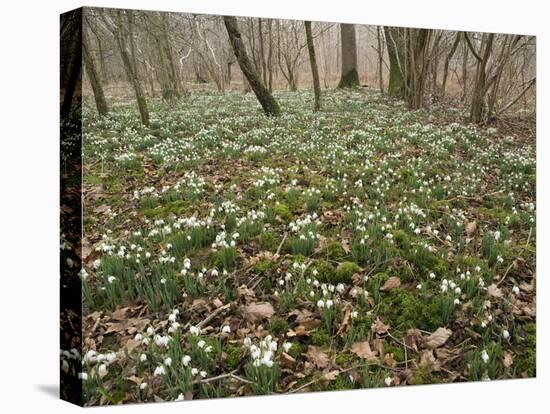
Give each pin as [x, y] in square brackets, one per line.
[180, 398]
[143, 357]
[329, 303]
[458, 291]
[194, 371]
[340, 288]
[185, 360]
[159, 371]
[456, 301]
[432, 275]
[111, 279]
[320, 303]
[201, 344]
[515, 290]
[102, 370]
[497, 235]
[448, 238]
[500, 259]
[168, 361]
[388, 381]
[83, 376]
[505, 334]
[203, 374]
[226, 329]
[286, 346]
[143, 385]
[172, 317]
[419, 286]
[484, 356]
[247, 342]
[194, 330]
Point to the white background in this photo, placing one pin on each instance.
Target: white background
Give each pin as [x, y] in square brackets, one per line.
[29, 188]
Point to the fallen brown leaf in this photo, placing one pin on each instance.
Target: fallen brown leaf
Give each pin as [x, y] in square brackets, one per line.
[317, 357]
[391, 283]
[438, 338]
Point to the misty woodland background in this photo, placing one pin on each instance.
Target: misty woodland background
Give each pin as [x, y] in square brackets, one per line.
[280, 206]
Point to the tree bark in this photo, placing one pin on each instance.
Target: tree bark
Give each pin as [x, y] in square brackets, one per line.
[268, 103]
[130, 68]
[396, 84]
[349, 76]
[313, 63]
[447, 62]
[89, 64]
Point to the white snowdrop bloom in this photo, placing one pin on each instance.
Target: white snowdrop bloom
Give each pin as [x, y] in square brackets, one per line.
[484, 356]
[194, 371]
[288, 276]
[203, 374]
[110, 357]
[142, 386]
[432, 275]
[102, 370]
[172, 317]
[247, 342]
[340, 288]
[515, 290]
[147, 255]
[180, 397]
[354, 314]
[161, 341]
[419, 286]
[111, 279]
[201, 344]
[146, 341]
[458, 291]
[500, 259]
[143, 357]
[159, 371]
[444, 288]
[168, 361]
[311, 294]
[214, 272]
[287, 346]
[448, 238]
[195, 330]
[497, 235]
[186, 263]
[138, 337]
[483, 324]
[320, 303]
[315, 272]
[329, 303]
[456, 301]
[96, 263]
[185, 360]
[83, 376]
[226, 329]
[208, 349]
[505, 334]
[477, 269]
[388, 381]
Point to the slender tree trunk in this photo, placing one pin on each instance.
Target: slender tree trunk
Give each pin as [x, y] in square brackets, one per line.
[270, 56]
[448, 60]
[268, 103]
[394, 42]
[89, 64]
[130, 68]
[349, 76]
[479, 90]
[380, 61]
[71, 46]
[313, 63]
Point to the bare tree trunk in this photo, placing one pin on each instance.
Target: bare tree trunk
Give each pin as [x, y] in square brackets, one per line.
[313, 63]
[268, 103]
[380, 60]
[129, 64]
[394, 42]
[349, 76]
[262, 51]
[270, 56]
[71, 47]
[89, 64]
[448, 60]
[464, 72]
[479, 90]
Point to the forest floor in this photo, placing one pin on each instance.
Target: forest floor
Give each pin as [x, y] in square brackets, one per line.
[227, 253]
